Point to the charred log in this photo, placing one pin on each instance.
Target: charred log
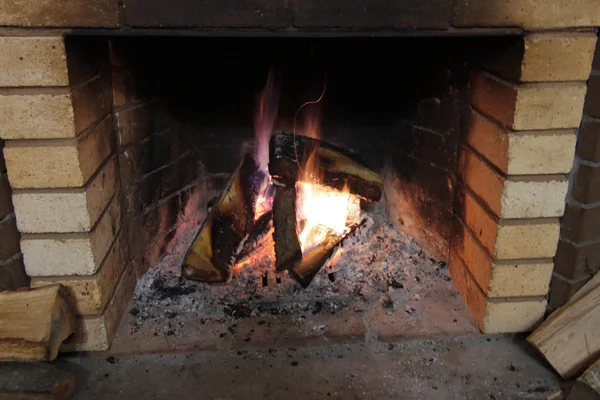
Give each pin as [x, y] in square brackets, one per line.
[312, 261]
[285, 235]
[335, 167]
[219, 241]
[259, 237]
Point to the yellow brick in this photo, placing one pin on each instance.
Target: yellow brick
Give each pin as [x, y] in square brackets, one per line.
[74, 210]
[90, 294]
[96, 333]
[59, 164]
[33, 61]
[504, 315]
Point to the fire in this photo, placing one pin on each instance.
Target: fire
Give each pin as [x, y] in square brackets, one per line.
[321, 211]
[264, 123]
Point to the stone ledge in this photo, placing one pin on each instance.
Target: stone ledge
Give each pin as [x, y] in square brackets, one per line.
[72, 253]
[532, 14]
[54, 13]
[33, 61]
[64, 211]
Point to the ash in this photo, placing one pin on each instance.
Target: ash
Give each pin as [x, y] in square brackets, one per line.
[376, 264]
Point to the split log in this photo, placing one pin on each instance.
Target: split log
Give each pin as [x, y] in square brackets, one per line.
[587, 387]
[35, 381]
[335, 167]
[285, 235]
[34, 322]
[313, 260]
[259, 237]
[219, 241]
[569, 338]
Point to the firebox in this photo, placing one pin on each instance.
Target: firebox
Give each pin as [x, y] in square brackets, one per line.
[209, 190]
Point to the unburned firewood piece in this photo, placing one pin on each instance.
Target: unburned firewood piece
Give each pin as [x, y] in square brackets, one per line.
[35, 381]
[219, 241]
[569, 338]
[259, 237]
[34, 322]
[335, 167]
[285, 235]
[312, 261]
[587, 386]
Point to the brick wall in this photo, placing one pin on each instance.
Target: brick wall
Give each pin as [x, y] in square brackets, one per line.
[58, 128]
[578, 255]
[12, 270]
[158, 158]
[519, 144]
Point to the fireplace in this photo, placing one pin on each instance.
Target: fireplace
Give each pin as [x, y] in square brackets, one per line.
[119, 143]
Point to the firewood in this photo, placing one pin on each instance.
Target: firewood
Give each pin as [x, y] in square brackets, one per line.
[219, 241]
[35, 381]
[587, 387]
[312, 261]
[569, 338]
[259, 237]
[335, 167]
[34, 322]
[285, 235]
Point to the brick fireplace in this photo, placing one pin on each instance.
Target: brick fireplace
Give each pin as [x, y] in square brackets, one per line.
[102, 151]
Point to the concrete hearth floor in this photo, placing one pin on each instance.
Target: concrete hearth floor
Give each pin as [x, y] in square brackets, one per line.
[475, 367]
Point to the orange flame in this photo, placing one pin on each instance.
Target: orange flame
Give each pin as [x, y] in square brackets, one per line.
[321, 210]
[264, 121]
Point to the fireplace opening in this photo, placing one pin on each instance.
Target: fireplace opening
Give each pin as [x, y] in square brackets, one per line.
[187, 112]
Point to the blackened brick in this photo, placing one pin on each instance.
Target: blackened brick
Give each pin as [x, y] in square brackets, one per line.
[588, 142]
[573, 261]
[586, 184]
[592, 98]
[9, 238]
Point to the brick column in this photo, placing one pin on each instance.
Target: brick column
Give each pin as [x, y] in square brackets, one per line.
[578, 256]
[56, 119]
[525, 107]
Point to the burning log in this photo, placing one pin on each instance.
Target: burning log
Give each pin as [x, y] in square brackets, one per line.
[334, 168]
[312, 261]
[258, 238]
[217, 245]
[287, 246]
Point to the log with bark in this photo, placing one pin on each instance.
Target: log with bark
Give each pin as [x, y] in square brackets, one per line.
[285, 235]
[34, 322]
[335, 168]
[219, 241]
[569, 338]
